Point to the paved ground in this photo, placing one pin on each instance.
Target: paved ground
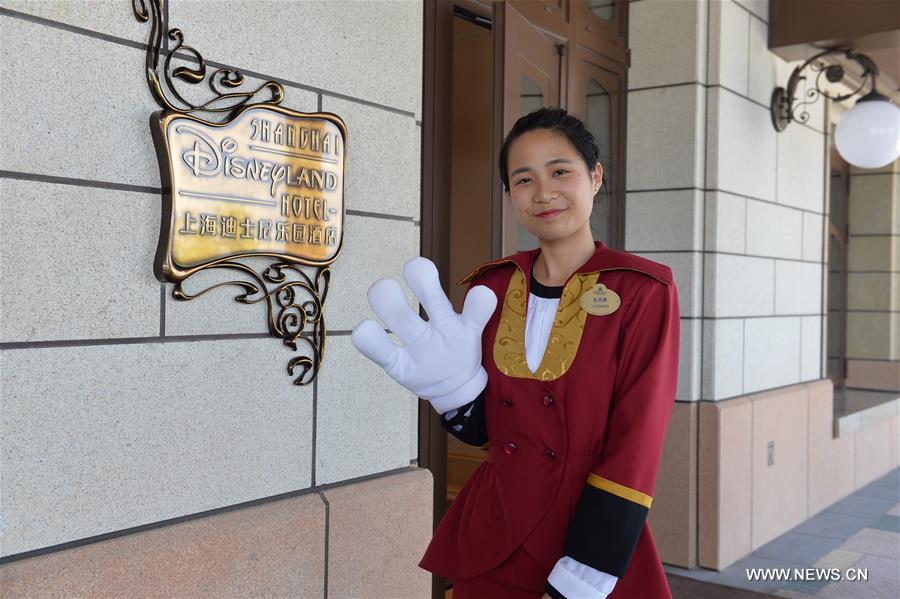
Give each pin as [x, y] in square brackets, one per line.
[689, 588]
[862, 531]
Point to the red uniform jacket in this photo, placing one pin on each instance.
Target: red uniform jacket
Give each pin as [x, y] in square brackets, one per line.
[573, 449]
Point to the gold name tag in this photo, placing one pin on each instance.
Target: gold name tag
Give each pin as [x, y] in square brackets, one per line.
[600, 301]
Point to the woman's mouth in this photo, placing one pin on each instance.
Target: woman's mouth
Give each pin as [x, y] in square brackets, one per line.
[549, 214]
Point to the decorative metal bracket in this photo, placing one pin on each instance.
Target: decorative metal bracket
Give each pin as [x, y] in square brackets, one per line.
[223, 101]
[266, 182]
[288, 313]
[782, 104]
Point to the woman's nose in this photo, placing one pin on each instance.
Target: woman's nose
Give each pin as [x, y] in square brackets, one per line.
[545, 193]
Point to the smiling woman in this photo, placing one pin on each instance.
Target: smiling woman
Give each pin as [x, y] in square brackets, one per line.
[570, 385]
[582, 362]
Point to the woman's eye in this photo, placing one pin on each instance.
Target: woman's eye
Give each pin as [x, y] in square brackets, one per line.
[561, 170]
[523, 180]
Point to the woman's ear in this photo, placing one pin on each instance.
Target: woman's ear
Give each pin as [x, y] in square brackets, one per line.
[598, 177]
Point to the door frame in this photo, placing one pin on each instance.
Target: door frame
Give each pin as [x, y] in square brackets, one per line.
[437, 95]
[435, 212]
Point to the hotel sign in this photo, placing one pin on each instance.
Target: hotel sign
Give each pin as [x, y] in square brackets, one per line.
[253, 179]
[270, 182]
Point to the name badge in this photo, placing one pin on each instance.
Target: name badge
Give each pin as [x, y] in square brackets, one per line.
[600, 301]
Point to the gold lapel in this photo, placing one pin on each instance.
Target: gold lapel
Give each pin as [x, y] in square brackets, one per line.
[565, 335]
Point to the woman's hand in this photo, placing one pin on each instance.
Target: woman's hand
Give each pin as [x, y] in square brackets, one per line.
[546, 596]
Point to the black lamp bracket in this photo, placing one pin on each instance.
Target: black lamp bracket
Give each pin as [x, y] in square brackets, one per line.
[783, 105]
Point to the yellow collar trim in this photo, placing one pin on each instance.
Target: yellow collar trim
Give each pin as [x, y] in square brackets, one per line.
[565, 335]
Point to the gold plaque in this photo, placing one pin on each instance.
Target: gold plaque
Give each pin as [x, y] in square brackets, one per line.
[600, 301]
[269, 181]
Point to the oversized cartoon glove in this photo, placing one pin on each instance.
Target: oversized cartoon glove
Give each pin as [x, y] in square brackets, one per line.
[440, 359]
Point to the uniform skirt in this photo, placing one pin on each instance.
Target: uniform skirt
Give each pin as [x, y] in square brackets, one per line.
[519, 577]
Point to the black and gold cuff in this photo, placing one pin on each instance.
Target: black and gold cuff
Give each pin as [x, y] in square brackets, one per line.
[607, 524]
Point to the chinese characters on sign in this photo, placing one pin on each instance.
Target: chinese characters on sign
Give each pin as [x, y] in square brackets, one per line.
[268, 182]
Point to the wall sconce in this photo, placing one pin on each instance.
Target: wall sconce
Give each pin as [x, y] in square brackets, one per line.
[868, 136]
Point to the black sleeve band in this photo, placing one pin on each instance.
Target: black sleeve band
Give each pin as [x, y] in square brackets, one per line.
[605, 530]
[474, 431]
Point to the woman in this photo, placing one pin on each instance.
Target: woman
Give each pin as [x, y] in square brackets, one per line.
[569, 383]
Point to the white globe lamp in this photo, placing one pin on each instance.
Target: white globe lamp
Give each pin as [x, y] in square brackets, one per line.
[868, 136]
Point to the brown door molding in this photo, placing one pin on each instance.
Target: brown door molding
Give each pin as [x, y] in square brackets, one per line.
[435, 213]
[528, 52]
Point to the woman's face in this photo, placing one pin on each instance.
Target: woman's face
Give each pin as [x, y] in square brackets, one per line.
[550, 185]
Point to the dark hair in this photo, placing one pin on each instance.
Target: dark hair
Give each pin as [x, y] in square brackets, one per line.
[554, 119]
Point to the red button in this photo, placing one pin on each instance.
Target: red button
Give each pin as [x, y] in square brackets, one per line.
[548, 401]
[506, 401]
[550, 453]
[509, 447]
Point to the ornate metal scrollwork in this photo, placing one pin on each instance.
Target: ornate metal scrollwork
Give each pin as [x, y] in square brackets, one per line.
[288, 313]
[782, 105]
[227, 78]
[308, 176]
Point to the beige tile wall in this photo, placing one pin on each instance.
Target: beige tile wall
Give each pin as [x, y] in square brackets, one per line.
[725, 497]
[832, 460]
[748, 260]
[673, 517]
[123, 408]
[881, 375]
[873, 299]
[273, 549]
[280, 548]
[747, 256]
[780, 462]
[743, 501]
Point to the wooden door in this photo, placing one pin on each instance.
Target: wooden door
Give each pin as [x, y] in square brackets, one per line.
[531, 61]
[597, 96]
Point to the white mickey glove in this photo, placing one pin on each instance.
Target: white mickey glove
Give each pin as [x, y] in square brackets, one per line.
[440, 360]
